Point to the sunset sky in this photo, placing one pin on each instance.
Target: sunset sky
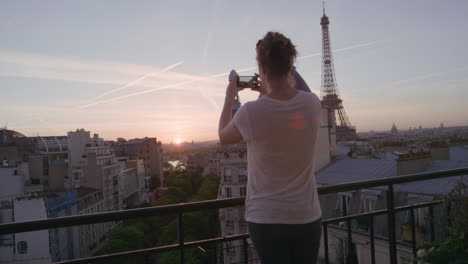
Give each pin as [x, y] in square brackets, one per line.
[158, 68]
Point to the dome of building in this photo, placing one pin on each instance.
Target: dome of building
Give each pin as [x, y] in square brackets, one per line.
[9, 136]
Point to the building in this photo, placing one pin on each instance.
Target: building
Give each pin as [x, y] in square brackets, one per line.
[93, 236]
[93, 164]
[147, 149]
[76, 174]
[394, 130]
[129, 187]
[346, 169]
[44, 246]
[144, 180]
[196, 163]
[12, 181]
[64, 242]
[26, 247]
[231, 163]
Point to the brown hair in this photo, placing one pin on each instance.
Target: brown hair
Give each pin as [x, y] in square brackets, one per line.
[276, 53]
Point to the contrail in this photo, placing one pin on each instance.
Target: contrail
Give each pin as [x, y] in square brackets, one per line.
[164, 87]
[210, 77]
[418, 78]
[338, 50]
[132, 83]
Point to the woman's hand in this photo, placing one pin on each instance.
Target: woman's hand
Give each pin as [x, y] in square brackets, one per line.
[260, 88]
[232, 89]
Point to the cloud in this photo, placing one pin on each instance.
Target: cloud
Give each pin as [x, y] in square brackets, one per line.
[33, 65]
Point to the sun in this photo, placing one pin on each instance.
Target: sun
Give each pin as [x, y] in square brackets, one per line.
[178, 140]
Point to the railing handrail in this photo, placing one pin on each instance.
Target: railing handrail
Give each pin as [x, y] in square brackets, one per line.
[392, 180]
[66, 221]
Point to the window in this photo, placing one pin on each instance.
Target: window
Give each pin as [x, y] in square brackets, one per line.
[242, 175]
[419, 216]
[342, 249]
[368, 205]
[344, 199]
[229, 218]
[231, 250]
[227, 175]
[242, 222]
[406, 260]
[243, 191]
[22, 247]
[228, 192]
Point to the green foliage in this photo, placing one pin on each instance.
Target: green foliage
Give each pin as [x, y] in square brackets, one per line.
[208, 189]
[182, 186]
[167, 166]
[162, 230]
[124, 238]
[192, 256]
[155, 182]
[197, 225]
[455, 247]
[452, 251]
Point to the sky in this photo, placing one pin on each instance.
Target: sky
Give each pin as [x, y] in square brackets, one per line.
[159, 68]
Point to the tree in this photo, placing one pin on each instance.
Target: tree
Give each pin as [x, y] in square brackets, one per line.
[454, 249]
[197, 225]
[124, 238]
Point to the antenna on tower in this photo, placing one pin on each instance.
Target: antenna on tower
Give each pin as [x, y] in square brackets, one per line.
[323, 5]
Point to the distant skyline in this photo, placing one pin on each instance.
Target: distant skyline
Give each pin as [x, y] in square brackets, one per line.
[157, 68]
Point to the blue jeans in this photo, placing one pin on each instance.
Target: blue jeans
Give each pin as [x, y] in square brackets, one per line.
[286, 243]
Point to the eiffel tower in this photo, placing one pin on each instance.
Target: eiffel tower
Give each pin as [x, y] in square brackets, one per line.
[330, 96]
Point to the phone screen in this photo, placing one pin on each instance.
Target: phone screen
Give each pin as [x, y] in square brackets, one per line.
[247, 81]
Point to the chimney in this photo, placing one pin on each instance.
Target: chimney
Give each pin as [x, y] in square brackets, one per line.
[440, 150]
[413, 162]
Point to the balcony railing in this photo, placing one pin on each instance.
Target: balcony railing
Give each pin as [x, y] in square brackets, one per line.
[181, 209]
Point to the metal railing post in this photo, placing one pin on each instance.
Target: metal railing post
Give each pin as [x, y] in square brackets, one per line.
[180, 231]
[372, 239]
[245, 248]
[413, 234]
[431, 223]
[391, 225]
[348, 224]
[325, 242]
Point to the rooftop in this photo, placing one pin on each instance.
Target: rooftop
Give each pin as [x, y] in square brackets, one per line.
[85, 191]
[351, 170]
[437, 186]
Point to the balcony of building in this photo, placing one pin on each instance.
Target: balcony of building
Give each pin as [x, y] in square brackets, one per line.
[404, 230]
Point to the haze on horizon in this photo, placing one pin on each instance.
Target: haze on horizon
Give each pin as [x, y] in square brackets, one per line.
[122, 69]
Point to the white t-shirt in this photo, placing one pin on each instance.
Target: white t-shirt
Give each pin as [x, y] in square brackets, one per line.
[281, 138]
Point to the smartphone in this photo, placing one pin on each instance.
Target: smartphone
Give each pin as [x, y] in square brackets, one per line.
[247, 81]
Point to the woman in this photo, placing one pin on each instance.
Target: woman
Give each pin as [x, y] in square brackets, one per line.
[280, 128]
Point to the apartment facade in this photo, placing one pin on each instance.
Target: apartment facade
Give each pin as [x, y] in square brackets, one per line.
[92, 236]
[93, 164]
[147, 149]
[43, 246]
[231, 167]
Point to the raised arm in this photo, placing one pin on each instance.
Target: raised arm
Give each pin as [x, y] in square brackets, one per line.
[300, 83]
[227, 131]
